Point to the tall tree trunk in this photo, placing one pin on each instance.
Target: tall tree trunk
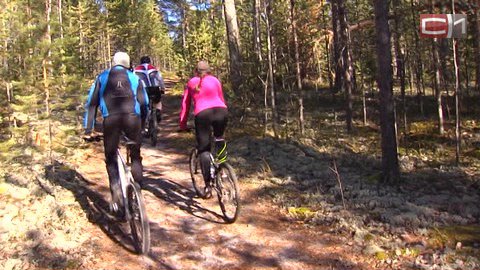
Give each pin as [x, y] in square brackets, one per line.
[475, 11]
[409, 70]
[184, 32]
[346, 63]
[342, 57]
[233, 35]
[60, 17]
[46, 69]
[400, 61]
[364, 99]
[109, 43]
[297, 66]
[60, 21]
[268, 12]
[328, 48]
[467, 68]
[9, 100]
[5, 30]
[265, 103]
[390, 167]
[257, 37]
[437, 86]
[418, 61]
[81, 35]
[444, 75]
[336, 46]
[457, 96]
[437, 80]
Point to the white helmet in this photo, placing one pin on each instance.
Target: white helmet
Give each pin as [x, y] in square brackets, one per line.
[121, 59]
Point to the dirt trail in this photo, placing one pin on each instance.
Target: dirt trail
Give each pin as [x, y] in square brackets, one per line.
[189, 233]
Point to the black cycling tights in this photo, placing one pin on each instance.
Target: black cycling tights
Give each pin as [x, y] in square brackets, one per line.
[216, 118]
[113, 126]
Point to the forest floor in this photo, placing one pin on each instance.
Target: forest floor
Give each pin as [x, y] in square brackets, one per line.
[293, 215]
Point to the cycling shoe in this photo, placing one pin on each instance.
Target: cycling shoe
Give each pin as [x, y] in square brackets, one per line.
[208, 192]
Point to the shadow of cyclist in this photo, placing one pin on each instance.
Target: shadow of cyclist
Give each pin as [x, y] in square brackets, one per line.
[92, 202]
[181, 197]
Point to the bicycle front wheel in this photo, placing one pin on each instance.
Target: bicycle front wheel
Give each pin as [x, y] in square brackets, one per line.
[227, 192]
[138, 219]
[196, 174]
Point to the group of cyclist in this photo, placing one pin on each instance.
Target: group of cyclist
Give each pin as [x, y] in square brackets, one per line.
[123, 95]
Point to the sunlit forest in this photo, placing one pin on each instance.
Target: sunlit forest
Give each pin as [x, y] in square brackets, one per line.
[347, 128]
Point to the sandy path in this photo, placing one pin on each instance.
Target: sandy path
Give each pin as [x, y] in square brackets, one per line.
[188, 232]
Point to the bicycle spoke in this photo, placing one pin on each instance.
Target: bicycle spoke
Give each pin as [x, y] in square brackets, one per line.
[196, 174]
[138, 220]
[228, 192]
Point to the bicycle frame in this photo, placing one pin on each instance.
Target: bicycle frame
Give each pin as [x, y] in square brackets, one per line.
[133, 202]
[125, 179]
[150, 114]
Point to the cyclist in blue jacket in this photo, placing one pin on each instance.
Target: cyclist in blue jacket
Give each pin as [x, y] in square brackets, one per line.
[123, 102]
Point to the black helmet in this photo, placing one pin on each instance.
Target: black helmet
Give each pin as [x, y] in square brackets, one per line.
[145, 60]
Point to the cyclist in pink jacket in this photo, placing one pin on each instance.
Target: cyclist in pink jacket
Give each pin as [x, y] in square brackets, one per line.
[210, 111]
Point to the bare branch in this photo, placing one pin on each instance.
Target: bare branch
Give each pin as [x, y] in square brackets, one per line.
[335, 171]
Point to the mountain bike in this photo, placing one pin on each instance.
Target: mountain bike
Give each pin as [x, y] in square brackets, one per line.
[154, 95]
[224, 182]
[127, 202]
[131, 203]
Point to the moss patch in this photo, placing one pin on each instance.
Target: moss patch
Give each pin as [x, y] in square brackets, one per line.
[301, 213]
[381, 255]
[451, 235]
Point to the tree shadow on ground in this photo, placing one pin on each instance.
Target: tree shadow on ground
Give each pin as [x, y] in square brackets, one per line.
[300, 175]
[41, 255]
[181, 197]
[207, 248]
[95, 206]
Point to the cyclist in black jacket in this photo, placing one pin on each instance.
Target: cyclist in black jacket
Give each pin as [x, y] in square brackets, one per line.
[124, 105]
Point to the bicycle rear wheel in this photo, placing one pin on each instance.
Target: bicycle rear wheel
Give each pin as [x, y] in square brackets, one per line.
[138, 219]
[153, 128]
[196, 174]
[227, 192]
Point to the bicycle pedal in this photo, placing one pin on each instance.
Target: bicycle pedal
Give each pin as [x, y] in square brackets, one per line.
[116, 212]
[113, 207]
[208, 192]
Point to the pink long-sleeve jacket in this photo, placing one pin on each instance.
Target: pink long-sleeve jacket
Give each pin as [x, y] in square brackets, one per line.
[209, 95]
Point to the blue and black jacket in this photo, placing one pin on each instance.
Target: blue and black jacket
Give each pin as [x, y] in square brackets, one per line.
[116, 91]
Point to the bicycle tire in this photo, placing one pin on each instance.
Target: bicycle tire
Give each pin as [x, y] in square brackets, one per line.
[227, 192]
[118, 196]
[138, 219]
[153, 128]
[196, 174]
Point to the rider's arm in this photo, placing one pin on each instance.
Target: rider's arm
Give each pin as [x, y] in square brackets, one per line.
[185, 108]
[91, 107]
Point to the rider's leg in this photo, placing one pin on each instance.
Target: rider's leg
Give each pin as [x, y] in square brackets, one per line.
[219, 123]
[111, 138]
[132, 128]
[202, 133]
[158, 106]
